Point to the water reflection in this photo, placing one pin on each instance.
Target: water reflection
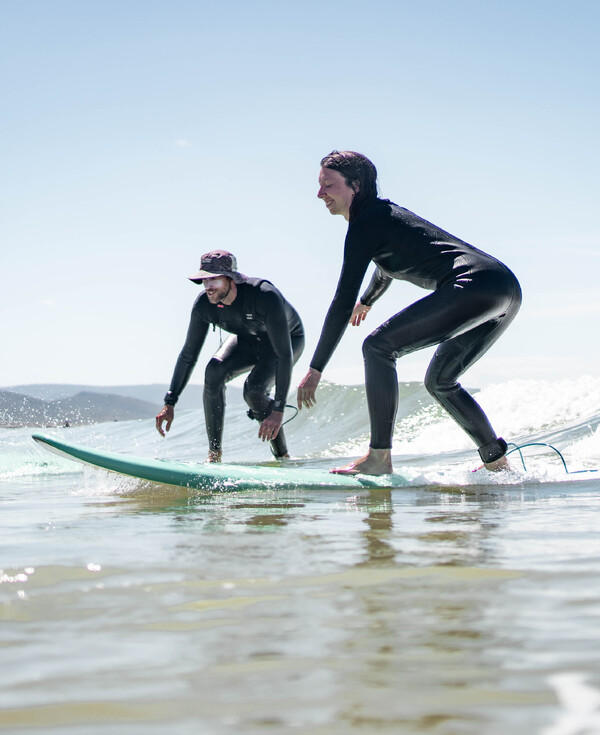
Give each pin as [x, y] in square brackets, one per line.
[385, 611]
[377, 536]
[262, 515]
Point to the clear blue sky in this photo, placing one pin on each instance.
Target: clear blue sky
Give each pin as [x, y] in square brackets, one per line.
[137, 135]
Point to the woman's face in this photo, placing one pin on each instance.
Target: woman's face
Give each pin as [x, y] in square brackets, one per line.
[335, 192]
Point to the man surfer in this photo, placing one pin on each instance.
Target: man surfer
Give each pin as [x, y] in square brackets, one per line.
[267, 338]
[474, 299]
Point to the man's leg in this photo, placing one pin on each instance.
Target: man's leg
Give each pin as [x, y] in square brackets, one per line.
[258, 386]
[230, 360]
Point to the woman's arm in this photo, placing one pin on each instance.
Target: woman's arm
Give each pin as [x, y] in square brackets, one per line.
[356, 261]
[380, 282]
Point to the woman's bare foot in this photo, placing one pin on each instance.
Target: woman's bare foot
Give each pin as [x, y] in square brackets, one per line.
[214, 456]
[498, 465]
[375, 462]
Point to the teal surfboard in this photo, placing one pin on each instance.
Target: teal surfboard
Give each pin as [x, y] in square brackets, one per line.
[215, 477]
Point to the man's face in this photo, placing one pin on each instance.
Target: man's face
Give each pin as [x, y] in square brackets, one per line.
[216, 288]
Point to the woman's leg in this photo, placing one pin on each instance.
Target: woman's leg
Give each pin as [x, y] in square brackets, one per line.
[468, 317]
[453, 358]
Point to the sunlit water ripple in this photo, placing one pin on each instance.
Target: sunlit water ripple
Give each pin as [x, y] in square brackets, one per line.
[462, 604]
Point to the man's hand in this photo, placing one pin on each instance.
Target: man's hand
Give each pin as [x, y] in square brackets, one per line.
[307, 388]
[269, 427]
[359, 314]
[167, 414]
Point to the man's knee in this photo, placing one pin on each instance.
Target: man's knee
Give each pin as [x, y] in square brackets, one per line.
[214, 376]
[258, 400]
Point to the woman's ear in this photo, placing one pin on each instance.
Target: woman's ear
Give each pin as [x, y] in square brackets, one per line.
[356, 186]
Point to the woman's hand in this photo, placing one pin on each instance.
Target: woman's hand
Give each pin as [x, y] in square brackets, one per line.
[359, 314]
[307, 388]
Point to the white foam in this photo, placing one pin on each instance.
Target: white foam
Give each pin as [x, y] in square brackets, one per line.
[580, 706]
[586, 450]
[516, 409]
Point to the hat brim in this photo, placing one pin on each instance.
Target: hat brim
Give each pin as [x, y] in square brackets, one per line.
[234, 275]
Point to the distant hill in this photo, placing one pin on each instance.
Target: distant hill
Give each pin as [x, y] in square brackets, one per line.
[54, 391]
[86, 407]
[56, 405]
[153, 393]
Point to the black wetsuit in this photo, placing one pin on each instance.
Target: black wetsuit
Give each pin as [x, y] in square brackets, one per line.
[474, 299]
[267, 339]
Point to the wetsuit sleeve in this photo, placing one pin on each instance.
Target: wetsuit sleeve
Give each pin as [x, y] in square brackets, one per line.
[356, 261]
[377, 287]
[188, 357]
[278, 332]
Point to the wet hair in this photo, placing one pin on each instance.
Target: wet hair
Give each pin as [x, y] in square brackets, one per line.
[359, 172]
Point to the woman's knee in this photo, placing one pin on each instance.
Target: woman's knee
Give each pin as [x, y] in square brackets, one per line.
[437, 384]
[372, 346]
[375, 349]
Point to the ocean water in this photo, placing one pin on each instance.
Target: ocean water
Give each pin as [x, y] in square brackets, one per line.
[465, 603]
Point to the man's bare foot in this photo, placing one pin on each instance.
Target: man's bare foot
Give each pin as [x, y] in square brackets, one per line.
[375, 462]
[214, 456]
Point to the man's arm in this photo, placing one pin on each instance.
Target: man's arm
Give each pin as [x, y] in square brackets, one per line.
[278, 332]
[184, 367]
[188, 357]
[166, 415]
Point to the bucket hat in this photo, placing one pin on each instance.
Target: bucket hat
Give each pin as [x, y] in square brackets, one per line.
[218, 263]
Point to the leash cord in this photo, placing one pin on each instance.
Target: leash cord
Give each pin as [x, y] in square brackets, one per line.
[542, 444]
[287, 421]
